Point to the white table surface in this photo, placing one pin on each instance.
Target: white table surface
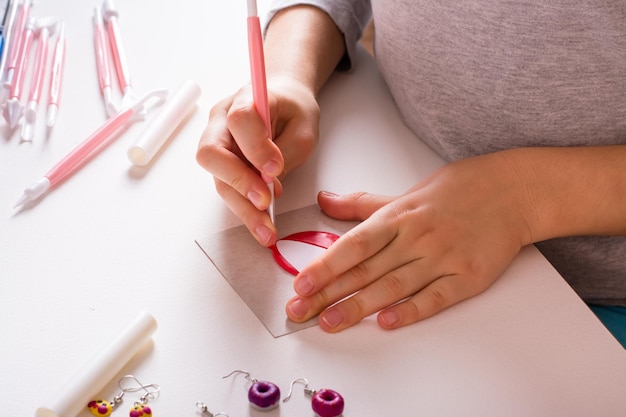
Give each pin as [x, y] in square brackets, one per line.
[114, 240]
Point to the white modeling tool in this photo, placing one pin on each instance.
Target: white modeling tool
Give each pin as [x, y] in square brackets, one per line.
[89, 381]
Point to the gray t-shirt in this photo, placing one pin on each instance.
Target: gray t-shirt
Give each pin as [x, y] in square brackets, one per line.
[474, 77]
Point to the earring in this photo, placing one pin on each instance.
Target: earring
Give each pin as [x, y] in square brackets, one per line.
[325, 402]
[205, 411]
[262, 395]
[104, 408]
[140, 408]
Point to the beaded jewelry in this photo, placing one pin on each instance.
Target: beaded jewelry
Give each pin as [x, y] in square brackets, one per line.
[325, 402]
[263, 395]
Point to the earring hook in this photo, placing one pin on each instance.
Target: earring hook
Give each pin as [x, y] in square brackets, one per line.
[238, 371]
[303, 381]
[205, 411]
[150, 389]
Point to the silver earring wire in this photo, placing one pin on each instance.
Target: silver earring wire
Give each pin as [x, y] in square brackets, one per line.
[238, 371]
[205, 411]
[150, 390]
[303, 381]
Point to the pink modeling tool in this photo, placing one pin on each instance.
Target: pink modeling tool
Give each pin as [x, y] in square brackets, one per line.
[13, 110]
[89, 147]
[8, 31]
[56, 77]
[111, 16]
[259, 83]
[45, 27]
[102, 62]
[15, 46]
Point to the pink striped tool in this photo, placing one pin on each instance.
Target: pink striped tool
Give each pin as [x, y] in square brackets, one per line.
[259, 82]
[102, 62]
[45, 27]
[23, 14]
[12, 109]
[56, 77]
[111, 16]
[89, 147]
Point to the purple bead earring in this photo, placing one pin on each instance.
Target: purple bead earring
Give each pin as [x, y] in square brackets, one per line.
[263, 395]
[325, 402]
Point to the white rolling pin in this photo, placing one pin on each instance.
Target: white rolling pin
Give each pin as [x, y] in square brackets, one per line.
[158, 130]
[89, 381]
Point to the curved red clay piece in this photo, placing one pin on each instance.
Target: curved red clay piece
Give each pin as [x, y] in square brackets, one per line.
[320, 239]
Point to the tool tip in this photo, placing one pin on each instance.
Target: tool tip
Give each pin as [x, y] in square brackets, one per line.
[13, 112]
[52, 116]
[23, 200]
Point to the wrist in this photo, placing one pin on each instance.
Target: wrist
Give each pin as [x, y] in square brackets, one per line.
[569, 191]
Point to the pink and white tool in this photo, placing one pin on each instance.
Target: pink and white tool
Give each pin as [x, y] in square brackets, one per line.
[90, 146]
[44, 27]
[8, 31]
[13, 109]
[102, 62]
[16, 37]
[56, 77]
[111, 16]
[259, 82]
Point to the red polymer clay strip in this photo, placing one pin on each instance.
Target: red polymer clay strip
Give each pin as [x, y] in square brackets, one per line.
[320, 239]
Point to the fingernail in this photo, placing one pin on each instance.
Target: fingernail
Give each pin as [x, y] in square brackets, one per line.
[389, 318]
[264, 234]
[304, 285]
[298, 308]
[255, 198]
[329, 194]
[332, 318]
[271, 168]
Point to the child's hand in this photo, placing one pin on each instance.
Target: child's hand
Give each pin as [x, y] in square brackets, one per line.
[446, 240]
[235, 148]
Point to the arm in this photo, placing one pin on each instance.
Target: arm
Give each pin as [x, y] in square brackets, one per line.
[572, 191]
[302, 42]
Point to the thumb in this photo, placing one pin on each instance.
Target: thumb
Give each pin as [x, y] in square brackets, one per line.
[355, 206]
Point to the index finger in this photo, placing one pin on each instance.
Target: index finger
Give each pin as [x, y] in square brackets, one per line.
[250, 134]
[351, 249]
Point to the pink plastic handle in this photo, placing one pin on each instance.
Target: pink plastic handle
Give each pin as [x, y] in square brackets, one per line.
[16, 38]
[40, 67]
[257, 70]
[56, 77]
[20, 68]
[119, 55]
[83, 151]
[102, 57]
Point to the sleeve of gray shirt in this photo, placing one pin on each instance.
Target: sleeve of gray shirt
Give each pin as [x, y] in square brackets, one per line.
[350, 16]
